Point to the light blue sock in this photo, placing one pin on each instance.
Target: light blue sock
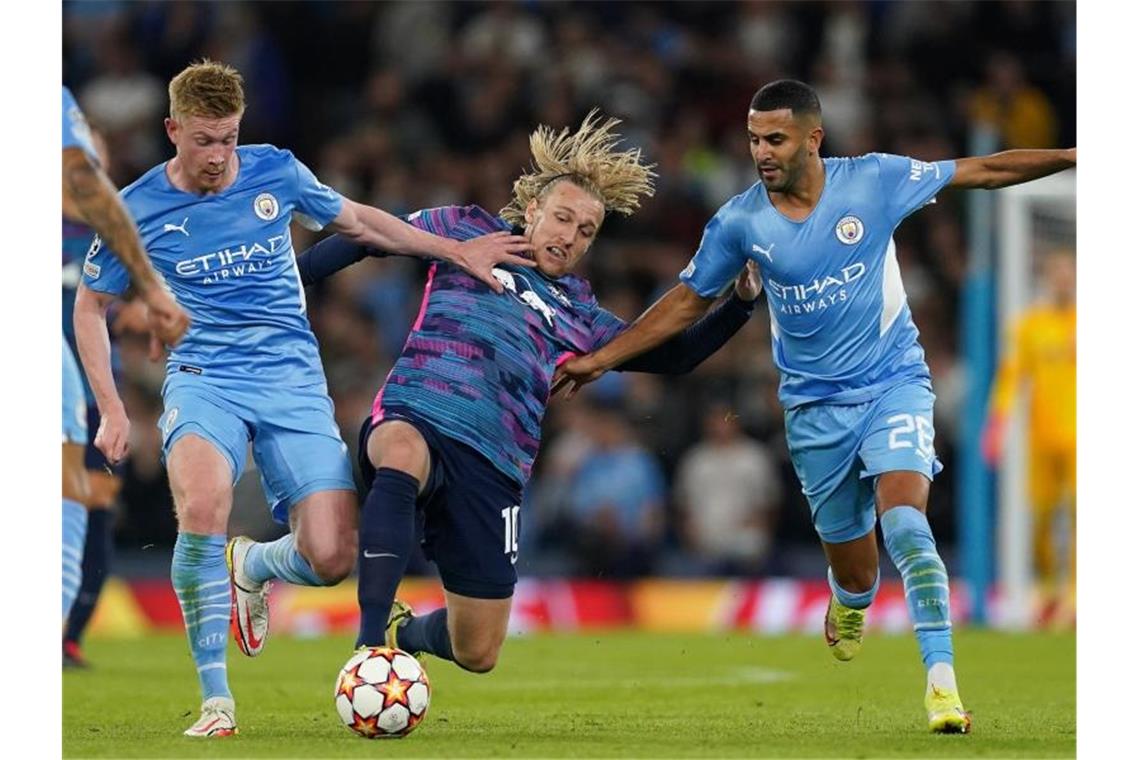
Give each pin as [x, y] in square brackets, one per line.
[280, 559]
[202, 584]
[911, 546]
[74, 536]
[856, 601]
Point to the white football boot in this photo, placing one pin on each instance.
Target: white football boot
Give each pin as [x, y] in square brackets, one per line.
[249, 615]
[217, 719]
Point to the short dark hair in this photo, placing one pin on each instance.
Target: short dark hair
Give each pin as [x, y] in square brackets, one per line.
[787, 93]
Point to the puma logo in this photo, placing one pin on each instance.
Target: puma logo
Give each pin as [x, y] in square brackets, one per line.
[168, 227]
[764, 251]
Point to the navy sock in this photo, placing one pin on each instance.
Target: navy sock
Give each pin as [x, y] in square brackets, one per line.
[96, 554]
[387, 538]
[427, 633]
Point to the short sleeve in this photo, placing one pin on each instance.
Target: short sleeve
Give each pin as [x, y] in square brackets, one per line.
[909, 184]
[76, 132]
[102, 270]
[317, 203]
[719, 258]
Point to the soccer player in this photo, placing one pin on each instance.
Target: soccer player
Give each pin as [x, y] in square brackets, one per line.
[90, 198]
[216, 222]
[1041, 359]
[103, 479]
[854, 382]
[456, 426]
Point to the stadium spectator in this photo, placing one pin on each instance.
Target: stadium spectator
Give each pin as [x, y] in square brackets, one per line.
[616, 518]
[728, 496]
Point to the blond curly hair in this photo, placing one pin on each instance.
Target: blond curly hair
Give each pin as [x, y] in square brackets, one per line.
[589, 159]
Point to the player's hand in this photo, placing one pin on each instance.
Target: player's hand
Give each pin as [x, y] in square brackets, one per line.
[478, 256]
[575, 373]
[993, 440]
[131, 317]
[165, 317]
[113, 437]
[748, 283]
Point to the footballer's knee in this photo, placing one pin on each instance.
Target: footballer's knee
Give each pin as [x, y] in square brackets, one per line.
[478, 657]
[901, 488]
[332, 561]
[400, 446]
[856, 579]
[203, 508]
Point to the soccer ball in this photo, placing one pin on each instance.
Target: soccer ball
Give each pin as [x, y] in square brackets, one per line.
[382, 693]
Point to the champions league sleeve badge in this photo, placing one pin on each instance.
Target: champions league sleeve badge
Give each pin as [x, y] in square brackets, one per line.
[849, 230]
[266, 208]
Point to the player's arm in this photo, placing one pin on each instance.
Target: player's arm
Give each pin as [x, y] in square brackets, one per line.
[329, 256]
[88, 192]
[672, 313]
[378, 229]
[684, 351]
[90, 319]
[1010, 167]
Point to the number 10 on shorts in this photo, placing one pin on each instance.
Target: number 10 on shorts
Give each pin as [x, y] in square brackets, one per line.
[511, 532]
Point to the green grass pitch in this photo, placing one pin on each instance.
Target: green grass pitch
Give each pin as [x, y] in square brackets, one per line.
[602, 694]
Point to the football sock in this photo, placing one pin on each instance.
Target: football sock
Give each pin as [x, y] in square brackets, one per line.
[854, 600]
[910, 543]
[280, 559]
[96, 552]
[426, 633]
[387, 537]
[941, 677]
[202, 584]
[74, 528]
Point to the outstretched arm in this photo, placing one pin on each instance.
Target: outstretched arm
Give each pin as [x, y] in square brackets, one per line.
[329, 256]
[672, 313]
[88, 193]
[1011, 167]
[684, 351]
[379, 229]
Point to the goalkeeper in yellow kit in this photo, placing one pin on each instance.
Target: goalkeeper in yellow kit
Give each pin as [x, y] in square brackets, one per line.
[1041, 360]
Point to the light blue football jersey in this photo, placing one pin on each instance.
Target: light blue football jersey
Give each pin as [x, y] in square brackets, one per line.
[228, 260]
[841, 328]
[76, 132]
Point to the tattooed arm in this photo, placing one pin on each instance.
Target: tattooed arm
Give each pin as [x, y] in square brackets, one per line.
[89, 195]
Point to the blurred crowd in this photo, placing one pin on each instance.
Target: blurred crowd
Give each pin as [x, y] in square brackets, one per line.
[407, 105]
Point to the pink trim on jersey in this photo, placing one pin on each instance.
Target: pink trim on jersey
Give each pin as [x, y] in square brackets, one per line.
[423, 304]
[378, 402]
[562, 359]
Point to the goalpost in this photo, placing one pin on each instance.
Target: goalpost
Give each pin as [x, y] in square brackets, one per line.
[1031, 219]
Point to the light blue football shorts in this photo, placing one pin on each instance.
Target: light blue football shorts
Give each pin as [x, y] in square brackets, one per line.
[74, 400]
[839, 450]
[296, 442]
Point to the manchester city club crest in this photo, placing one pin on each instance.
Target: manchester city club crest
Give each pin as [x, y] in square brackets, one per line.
[849, 230]
[265, 206]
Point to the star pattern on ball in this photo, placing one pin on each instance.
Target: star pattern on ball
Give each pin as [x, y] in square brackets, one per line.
[349, 680]
[367, 727]
[394, 690]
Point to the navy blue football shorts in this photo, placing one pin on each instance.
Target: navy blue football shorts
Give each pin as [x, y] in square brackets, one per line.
[469, 512]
